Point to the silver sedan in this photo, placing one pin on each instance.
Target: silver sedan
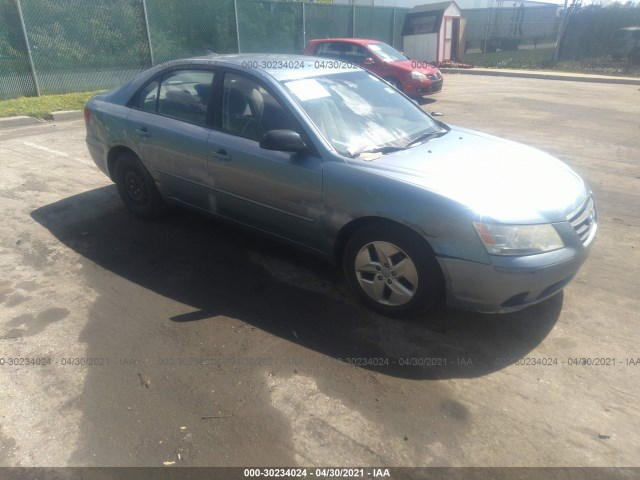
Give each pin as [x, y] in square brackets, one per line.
[330, 158]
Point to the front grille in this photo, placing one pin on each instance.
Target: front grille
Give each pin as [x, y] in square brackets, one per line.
[436, 86]
[584, 221]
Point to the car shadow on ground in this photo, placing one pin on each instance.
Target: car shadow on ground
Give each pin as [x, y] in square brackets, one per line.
[219, 269]
[422, 101]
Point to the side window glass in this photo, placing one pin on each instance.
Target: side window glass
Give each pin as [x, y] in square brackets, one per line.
[148, 96]
[362, 53]
[355, 54]
[329, 50]
[184, 94]
[249, 110]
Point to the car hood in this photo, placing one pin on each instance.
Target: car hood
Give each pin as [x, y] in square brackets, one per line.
[498, 180]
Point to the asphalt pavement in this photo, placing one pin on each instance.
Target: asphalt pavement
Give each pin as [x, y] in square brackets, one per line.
[187, 342]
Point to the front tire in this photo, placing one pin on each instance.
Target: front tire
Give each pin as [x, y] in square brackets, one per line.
[392, 270]
[137, 188]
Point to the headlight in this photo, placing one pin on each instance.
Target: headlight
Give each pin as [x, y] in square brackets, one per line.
[518, 239]
[421, 77]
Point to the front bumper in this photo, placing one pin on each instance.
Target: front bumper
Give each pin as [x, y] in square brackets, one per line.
[509, 283]
[414, 88]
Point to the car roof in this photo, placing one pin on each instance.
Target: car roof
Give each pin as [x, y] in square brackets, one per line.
[282, 67]
[279, 67]
[359, 41]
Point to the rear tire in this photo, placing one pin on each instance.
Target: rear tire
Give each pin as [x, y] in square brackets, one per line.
[137, 188]
[392, 270]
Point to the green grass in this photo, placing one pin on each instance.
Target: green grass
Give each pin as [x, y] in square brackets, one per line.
[42, 107]
[528, 59]
[541, 58]
[601, 65]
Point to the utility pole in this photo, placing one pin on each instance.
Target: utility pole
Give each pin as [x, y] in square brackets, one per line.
[560, 32]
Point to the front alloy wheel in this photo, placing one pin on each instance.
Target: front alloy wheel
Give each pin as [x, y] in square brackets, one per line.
[386, 273]
[392, 269]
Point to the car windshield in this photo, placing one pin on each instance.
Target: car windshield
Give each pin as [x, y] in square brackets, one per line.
[357, 113]
[387, 52]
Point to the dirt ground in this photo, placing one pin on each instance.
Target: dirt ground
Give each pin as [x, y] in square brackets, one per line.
[186, 340]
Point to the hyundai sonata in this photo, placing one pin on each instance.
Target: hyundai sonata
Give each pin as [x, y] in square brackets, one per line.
[330, 158]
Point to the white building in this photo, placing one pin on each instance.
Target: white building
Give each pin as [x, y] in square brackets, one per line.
[433, 32]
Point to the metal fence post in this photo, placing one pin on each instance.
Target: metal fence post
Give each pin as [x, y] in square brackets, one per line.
[146, 24]
[26, 42]
[486, 34]
[393, 27]
[235, 11]
[304, 27]
[353, 21]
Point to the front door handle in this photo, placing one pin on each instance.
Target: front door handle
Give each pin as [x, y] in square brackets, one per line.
[143, 132]
[220, 154]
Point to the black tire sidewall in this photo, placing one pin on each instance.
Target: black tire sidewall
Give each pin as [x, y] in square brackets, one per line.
[430, 284]
[153, 206]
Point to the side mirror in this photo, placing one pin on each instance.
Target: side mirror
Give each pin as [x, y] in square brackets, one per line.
[283, 141]
[368, 61]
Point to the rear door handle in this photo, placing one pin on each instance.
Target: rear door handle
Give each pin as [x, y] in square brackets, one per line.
[143, 132]
[220, 154]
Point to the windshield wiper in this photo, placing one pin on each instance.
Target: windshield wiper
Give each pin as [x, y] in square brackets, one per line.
[390, 149]
[424, 137]
[382, 150]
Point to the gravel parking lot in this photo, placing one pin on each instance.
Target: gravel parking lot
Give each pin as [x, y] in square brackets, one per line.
[133, 343]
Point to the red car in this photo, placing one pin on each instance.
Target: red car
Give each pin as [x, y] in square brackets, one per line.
[414, 78]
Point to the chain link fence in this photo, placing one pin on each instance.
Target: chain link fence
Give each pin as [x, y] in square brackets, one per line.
[270, 27]
[16, 78]
[511, 37]
[190, 27]
[589, 33]
[286, 27]
[332, 21]
[59, 46]
[100, 43]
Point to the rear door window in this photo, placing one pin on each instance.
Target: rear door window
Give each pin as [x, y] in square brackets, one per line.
[181, 94]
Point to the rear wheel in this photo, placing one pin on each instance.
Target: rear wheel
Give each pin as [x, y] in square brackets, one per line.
[393, 271]
[137, 188]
